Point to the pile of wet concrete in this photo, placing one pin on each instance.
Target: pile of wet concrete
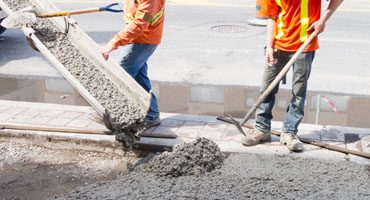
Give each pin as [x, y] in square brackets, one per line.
[239, 176]
[125, 116]
[195, 158]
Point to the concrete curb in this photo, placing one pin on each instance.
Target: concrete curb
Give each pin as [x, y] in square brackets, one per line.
[107, 143]
[85, 141]
[90, 142]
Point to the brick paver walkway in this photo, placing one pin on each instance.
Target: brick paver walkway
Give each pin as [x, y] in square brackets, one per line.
[187, 127]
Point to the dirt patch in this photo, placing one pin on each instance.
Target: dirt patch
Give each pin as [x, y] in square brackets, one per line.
[34, 172]
[125, 115]
[242, 176]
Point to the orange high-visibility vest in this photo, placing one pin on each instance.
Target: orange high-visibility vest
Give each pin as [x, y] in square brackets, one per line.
[144, 21]
[294, 17]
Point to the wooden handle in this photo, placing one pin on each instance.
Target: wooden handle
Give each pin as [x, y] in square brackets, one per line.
[70, 12]
[277, 79]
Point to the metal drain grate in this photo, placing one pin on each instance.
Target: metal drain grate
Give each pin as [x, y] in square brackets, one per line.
[351, 137]
[229, 29]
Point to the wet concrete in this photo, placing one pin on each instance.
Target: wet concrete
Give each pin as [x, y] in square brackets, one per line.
[243, 176]
[239, 176]
[19, 19]
[195, 158]
[125, 115]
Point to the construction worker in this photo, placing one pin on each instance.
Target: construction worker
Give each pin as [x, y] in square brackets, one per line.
[139, 38]
[289, 24]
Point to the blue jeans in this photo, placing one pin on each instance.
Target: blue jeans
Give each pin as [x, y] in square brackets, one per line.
[133, 59]
[295, 111]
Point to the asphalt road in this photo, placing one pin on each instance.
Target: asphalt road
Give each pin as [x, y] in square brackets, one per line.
[200, 47]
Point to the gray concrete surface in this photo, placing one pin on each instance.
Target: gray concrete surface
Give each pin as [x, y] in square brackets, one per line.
[242, 176]
[192, 52]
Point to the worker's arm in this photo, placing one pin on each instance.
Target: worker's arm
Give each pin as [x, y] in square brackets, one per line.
[319, 25]
[134, 29]
[271, 28]
[272, 10]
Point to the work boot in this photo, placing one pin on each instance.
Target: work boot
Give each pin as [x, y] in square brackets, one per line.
[151, 123]
[255, 137]
[291, 141]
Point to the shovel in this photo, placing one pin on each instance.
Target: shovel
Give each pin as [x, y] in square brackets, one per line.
[28, 15]
[283, 72]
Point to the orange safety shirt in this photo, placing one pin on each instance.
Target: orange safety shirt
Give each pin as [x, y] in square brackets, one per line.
[144, 23]
[293, 19]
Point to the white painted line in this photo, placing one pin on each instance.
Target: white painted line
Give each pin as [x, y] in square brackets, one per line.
[353, 10]
[172, 2]
[198, 3]
[366, 1]
[344, 40]
[96, 2]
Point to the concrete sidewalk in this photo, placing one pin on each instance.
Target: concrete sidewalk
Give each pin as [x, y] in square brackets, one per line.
[187, 127]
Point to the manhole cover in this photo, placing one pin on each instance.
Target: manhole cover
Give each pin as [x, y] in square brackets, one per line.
[229, 29]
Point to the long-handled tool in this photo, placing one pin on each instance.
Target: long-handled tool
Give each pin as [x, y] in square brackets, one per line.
[28, 15]
[273, 84]
[312, 142]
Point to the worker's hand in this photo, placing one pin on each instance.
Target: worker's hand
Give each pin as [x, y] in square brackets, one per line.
[106, 50]
[318, 27]
[270, 56]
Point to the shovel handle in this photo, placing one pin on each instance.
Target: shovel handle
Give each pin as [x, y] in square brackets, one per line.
[70, 12]
[278, 78]
[108, 8]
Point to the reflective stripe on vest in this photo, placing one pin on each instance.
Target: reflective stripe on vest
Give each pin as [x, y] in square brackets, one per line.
[280, 31]
[145, 16]
[304, 20]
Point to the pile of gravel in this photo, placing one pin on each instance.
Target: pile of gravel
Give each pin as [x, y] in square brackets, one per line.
[195, 158]
[126, 116]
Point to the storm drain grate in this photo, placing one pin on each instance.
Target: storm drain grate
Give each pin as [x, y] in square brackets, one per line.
[351, 137]
[229, 29]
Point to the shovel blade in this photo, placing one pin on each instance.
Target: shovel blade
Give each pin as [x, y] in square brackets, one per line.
[23, 17]
[237, 124]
